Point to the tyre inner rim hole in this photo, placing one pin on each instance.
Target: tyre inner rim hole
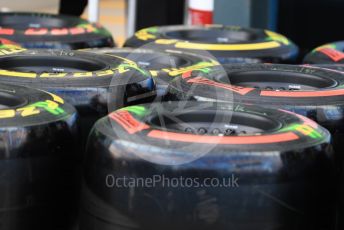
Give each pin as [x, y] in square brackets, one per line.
[215, 123]
[23, 22]
[278, 81]
[156, 61]
[10, 101]
[50, 64]
[212, 36]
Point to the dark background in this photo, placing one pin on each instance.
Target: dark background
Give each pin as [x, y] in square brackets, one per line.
[309, 23]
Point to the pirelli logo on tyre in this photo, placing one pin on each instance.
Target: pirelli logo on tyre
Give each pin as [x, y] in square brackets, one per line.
[80, 29]
[122, 68]
[233, 88]
[199, 66]
[49, 106]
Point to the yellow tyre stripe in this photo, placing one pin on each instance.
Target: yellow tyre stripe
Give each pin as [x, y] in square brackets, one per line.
[7, 113]
[52, 75]
[228, 47]
[17, 74]
[83, 74]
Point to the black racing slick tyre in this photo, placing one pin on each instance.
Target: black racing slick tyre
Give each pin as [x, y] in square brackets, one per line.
[332, 53]
[164, 65]
[261, 170]
[40, 30]
[38, 163]
[86, 80]
[310, 91]
[229, 44]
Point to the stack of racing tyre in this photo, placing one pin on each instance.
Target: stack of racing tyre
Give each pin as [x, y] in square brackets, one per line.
[235, 118]
[50, 99]
[186, 127]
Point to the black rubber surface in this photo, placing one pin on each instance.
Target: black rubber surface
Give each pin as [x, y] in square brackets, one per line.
[278, 166]
[39, 165]
[41, 30]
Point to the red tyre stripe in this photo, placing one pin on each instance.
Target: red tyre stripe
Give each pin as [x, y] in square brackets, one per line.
[234, 140]
[325, 93]
[128, 122]
[335, 55]
[6, 31]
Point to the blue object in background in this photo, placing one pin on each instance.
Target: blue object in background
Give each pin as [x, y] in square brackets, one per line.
[253, 13]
